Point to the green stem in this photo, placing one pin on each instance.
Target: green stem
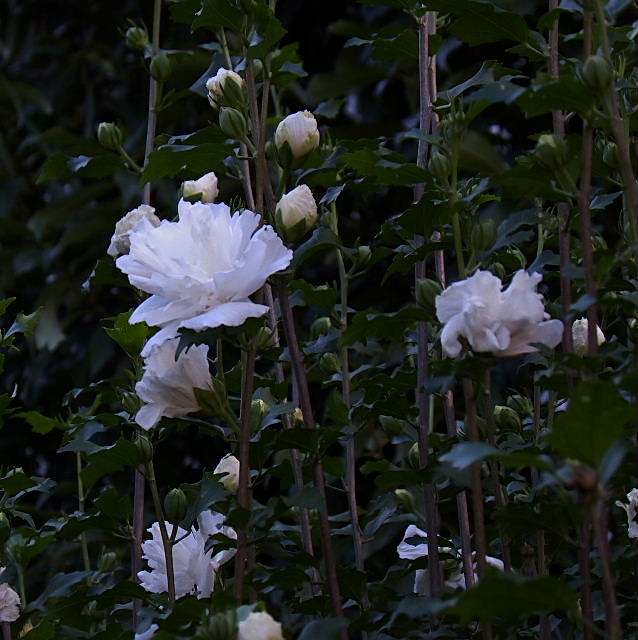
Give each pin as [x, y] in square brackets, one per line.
[21, 587]
[136, 167]
[83, 542]
[166, 542]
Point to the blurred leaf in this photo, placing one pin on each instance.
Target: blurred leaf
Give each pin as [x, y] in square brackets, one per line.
[25, 324]
[97, 166]
[464, 454]
[40, 423]
[567, 93]
[59, 586]
[326, 629]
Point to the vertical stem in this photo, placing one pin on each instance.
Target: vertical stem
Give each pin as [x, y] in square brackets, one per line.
[244, 493]
[6, 631]
[85, 549]
[423, 398]
[153, 91]
[166, 541]
[584, 570]
[306, 409]
[138, 534]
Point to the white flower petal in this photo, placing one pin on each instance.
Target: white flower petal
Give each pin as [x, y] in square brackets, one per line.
[230, 314]
[409, 551]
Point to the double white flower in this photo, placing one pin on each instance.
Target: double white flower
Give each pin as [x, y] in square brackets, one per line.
[505, 323]
[631, 509]
[201, 269]
[193, 566]
[9, 602]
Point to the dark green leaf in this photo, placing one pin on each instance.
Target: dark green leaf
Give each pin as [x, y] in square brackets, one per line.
[326, 629]
[131, 337]
[381, 325]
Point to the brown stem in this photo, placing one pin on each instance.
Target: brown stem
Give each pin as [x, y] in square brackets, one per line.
[151, 123]
[256, 134]
[138, 534]
[584, 571]
[244, 493]
[6, 631]
[301, 382]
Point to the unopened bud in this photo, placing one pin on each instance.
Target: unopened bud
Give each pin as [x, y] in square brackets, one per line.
[329, 363]
[507, 418]
[580, 330]
[259, 410]
[296, 212]
[229, 466]
[610, 155]
[518, 257]
[414, 457]
[362, 256]
[226, 89]
[221, 626]
[264, 338]
[136, 38]
[439, 166]
[5, 527]
[406, 499]
[107, 561]
[205, 188]
[498, 269]
[131, 402]
[598, 74]
[426, 291]
[175, 506]
[392, 426]
[109, 135]
[144, 448]
[160, 67]
[483, 235]
[297, 418]
[320, 327]
[296, 136]
[521, 404]
[551, 152]
[233, 123]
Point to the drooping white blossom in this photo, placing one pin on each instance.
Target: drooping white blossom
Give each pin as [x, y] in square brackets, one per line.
[259, 625]
[167, 384]
[505, 323]
[228, 465]
[580, 329]
[206, 186]
[201, 269]
[9, 602]
[120, 240]
[194, 568]
[631, 509]
[300, 131]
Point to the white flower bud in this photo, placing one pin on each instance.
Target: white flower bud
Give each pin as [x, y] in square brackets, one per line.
[206, 186]
[296, 212]
[230, 466]
[225, 88]
[259, 625]
[579, 336]
[300, 131]
[132, 221]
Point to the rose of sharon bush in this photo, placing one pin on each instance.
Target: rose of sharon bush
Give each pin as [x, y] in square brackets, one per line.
[201, 269]
[259, 625]
[505, 323]
[193, 566]
[167, 385]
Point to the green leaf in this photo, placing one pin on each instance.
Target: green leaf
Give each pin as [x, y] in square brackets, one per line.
[512, 597]
[131, 337]
[326, 629]
[109, 459]
[267, 31]
[25, 324]
[4, 304]
[308, 497]
[566, 93]
[387, 168]
[59, 586]
[381, 325]
[593, 421]
[41, 424]
[464, 454]
[337, 410]
[321, 238]
[95, 166]
[219, 13]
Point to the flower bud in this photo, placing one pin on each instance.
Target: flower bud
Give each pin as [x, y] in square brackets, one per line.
[580, 330]
[521, 404]
[160, 67]
[136, 38]
[296, 212]
[483, 235]
[598, 74]
[297, 418]
[392, 426]
[362, 256]
[226, 89]
[610, 155]
[233, 123]
[439, 166]
[175, 506]
[298, 132]
[109, 135]
[259, 410]
[498, 269]
[406, 499]
[414, 457]
[221, 626]
[329, 363]
[551, 152]
[259, 625]
[320, 327]
[264, 338]
[204, 187]
[144, 449]
[5, 527]
[107, 561]
[426, 291]
[229, 466]
[507, 418]
[517, 257]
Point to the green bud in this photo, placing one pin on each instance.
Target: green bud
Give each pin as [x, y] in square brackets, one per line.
[259, 409]
[221, 626]
[439, 166]
[362, 256]
[426, 291]
[483, 235]
[175, 506]
[264, 338]
[233, 93]
[131, 402]
[258, 69]
[109, 135]
[392, 426]
[521, 404]
[5, 528]
[329, 363]
[519, 257]
[107, 562]
[551, 152]
[320, 327]
[136, 38]
[233, 123]
[414, 457]
[160, 67]
[498, 269]
[507, 418]
[598, 242]
[144, 449]
[406, 499]
[610, 155]
[598, 74]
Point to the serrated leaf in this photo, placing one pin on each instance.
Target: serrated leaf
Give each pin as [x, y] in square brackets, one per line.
[24, 324]
[381, 325]
[566, 93]
[131, 337]
[41, 424]
[219, 13]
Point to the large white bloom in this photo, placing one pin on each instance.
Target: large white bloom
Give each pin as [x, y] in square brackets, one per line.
[120, 240]
[631, 509]
[9, 602]
[201, 269]
[167, 385]
[409, 550]
[300, 131]
[502, 322]
[194, 567]
[259, 625]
